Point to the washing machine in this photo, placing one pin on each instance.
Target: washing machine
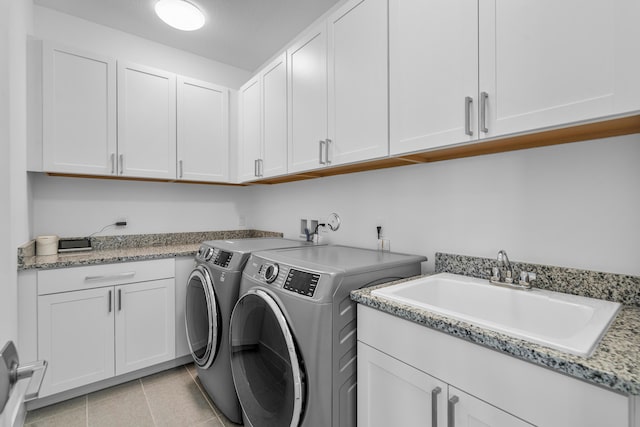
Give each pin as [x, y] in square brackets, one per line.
[212, 291]
[293, 332]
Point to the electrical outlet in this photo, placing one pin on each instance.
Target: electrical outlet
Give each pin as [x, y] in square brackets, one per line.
[242, 221]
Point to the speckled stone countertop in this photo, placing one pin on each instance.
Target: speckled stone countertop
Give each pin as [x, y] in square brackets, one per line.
[113, 249]
[615, 364]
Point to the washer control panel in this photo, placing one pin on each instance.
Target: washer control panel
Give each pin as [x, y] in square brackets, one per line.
[214, 255]
[301, 282]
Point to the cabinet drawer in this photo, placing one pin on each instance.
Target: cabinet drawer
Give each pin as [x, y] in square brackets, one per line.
[95, 276]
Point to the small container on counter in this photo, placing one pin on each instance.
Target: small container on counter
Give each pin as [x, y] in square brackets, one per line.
[47, 245]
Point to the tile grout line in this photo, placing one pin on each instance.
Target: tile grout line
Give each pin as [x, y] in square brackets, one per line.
[146, 399]
[205, 395]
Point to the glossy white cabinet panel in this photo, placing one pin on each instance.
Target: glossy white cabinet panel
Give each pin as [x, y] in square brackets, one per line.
[307, 62]
[392, 393]
[358, 63]
[78, 111]
[274, 118]
[145, 324]
[433, 55]
[76, 338]
[203, 131]
[467, 411]
[250, 144]
[146, 122]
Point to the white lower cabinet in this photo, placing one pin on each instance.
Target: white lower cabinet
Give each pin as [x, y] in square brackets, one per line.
[391, 392]
[411, 375]
[76, 337]
[114, 325]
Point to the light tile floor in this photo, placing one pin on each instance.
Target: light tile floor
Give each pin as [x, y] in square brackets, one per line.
[173, 398]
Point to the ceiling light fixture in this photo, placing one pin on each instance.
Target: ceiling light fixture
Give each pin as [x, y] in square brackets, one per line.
[180, 14]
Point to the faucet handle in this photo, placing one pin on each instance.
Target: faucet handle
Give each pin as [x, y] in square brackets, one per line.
[526, 277]
[495, 274]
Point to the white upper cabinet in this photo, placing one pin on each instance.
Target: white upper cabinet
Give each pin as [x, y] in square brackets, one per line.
[433, 56]
[79, 111]
[307, 62]
[548, 63]
[202, 131]
[250, 141]
[146, 122]
[274, 118]
[465, 70]
[358, 63]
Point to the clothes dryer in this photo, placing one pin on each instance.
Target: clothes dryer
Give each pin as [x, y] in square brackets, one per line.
[293, 332]
[212, 291]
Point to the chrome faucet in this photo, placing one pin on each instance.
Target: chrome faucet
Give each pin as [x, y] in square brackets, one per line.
[526, 277]
[503, 260]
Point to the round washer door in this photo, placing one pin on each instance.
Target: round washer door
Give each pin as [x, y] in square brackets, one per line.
[202, 318]
[265, 363]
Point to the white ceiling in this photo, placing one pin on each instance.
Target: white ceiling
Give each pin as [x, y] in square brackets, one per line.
[242, 33]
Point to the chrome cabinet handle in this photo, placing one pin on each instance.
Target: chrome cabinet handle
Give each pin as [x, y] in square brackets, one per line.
[322, 142]
[484, 96]
[180, 168]
[113, 163]
[434, 406]
[119, 299]
[467, 115]
[451, 411]
[121, 157]
[327, 151]
[109, 301]
[110, 276]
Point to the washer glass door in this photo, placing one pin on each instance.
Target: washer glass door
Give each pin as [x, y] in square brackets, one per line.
[265, 363]
[202, 318]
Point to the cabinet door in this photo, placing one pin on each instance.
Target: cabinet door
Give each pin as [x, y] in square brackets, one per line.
[146, 122]
[392, 393]
[75, 335]
[467, 411]
[203, 131]
[145, 324]
[548, 63]
[307, 62]
[274, 115]
[79, 111]
[433, 56]
[250, 146]
[358, 63]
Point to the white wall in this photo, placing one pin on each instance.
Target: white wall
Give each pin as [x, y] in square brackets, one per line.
[82, 34]
[15, 22]
[574, 205]
[80, 206]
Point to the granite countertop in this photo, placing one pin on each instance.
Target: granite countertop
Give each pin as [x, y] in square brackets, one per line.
[113, 249]
[615, 364]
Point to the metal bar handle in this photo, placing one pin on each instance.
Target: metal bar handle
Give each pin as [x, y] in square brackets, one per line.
[327, 151]
[451, 411]
[484, 96]
[119, 299]
[35, 371]
[322, 142]
[113, 163]
[121, 157]
[255, 167]
[109, 301]
[467, 115]
[434, 406]
[110, 276]
[180, 168]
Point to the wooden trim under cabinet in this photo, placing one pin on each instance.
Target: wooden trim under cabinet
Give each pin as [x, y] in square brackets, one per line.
[581, 132]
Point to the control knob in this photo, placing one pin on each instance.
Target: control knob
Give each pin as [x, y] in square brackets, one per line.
[271, 272]
[208, 254]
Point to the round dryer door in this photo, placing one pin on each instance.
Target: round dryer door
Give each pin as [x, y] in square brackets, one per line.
[265, 363]
[202, 318]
